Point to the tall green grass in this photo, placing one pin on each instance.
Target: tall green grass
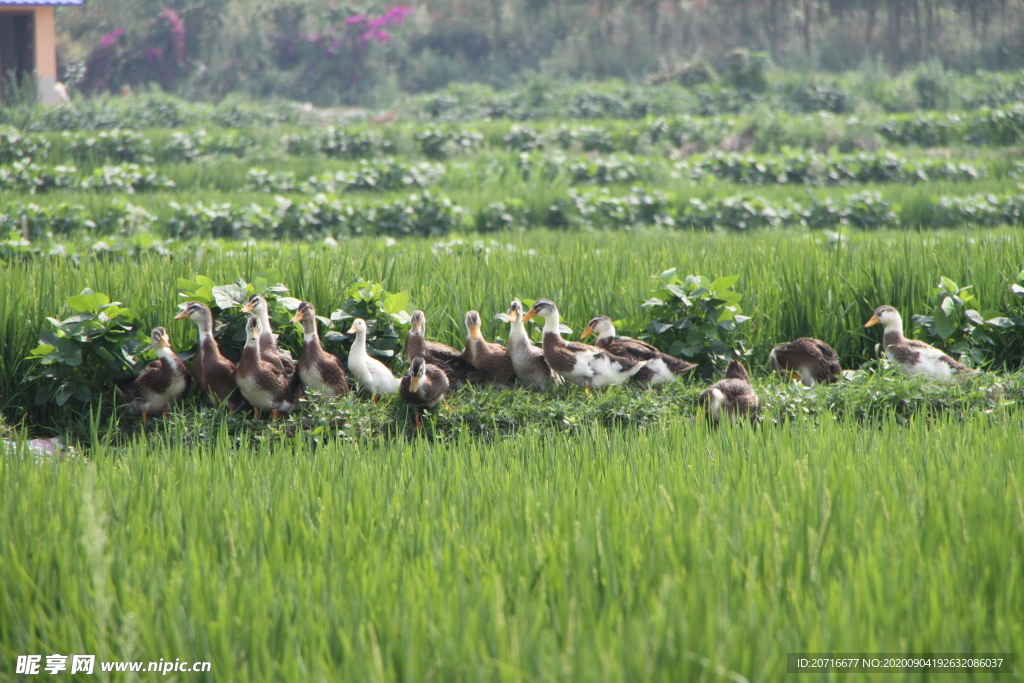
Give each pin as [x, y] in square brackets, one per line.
[654, 554]
[793, 284]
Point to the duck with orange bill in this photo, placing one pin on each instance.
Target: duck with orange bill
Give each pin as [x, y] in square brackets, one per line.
[913, 357]
[423, 386]
[317, 370]
[214, 374]
[160, 385]
[584, 365]
[374, 377]
[263, 383]
[661, 367]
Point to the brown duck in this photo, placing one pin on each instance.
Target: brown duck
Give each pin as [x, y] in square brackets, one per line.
[661, 367]
[913, 357]
[317, 369]
[269, 350]
[423, 386]
[451, 362]
[527, 360]
[262, 383]
[584, 365]
[809, 360]
[214, 374]
[733, 395]
[160, 385]
[492, 362]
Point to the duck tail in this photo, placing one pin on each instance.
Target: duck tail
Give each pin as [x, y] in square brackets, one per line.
[735, 370]
[125, 389]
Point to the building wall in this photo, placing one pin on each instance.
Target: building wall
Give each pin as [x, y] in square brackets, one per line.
[45, 48]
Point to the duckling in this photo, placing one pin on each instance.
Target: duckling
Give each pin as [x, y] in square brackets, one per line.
[424, 385]
[373, 375]
[262, 383]
[160, 385]
[810, 360]
[317, 369]
[269, 350]
[214, 374]
[733, 395]
[581, 364]
[445, 357]
[661, 367]
[492, 362]
[913, 357]
[527, 360]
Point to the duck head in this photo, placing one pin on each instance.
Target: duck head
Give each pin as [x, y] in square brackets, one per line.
[888, 316]
[473, 325]
[417, 371]
[545, 308]
[601, 325]
[418, 323]
[358, 326]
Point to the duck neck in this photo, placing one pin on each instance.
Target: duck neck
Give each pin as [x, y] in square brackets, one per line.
[551, 323]
[309, 333]
[205, 324]
[164, 353]
[359, 345]
[608, 333]
[893, 332]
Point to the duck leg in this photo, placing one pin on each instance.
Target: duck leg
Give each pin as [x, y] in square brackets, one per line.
[376, 398]
[256, 411]
[145, 416]
[416, 418]
[273, 414]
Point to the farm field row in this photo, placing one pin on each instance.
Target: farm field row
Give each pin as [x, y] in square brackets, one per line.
[609, 553]
[795, 286]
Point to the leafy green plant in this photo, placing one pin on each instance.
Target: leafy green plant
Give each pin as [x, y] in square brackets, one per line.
[697, 319]
[14, 146]
[114, 145]
[101, 342]
[956, 322]
[226, 301]
[386, 314]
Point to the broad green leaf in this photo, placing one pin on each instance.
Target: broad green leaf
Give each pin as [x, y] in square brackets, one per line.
[723, 283]
[948, 306]
[974, 316]
[393, 303]
[944, 327]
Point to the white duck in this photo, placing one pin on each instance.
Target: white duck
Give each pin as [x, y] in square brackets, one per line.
[373, 375]
[910, 356]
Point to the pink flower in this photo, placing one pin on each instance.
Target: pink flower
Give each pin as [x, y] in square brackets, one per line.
[108, 40]
[355, 19]
[396, 15]
[377, 23]
[177, 27]
[379, 36]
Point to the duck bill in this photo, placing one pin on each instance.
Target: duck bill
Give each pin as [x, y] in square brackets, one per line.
[247, 308]
[298, 317]
[586, 333]
[414, 384]
[530, 315]
[352, 330]
[182, 315]
[872, 321]
[474, 332]
[513, 316]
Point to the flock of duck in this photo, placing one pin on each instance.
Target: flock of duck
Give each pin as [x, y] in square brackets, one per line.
[266, 377]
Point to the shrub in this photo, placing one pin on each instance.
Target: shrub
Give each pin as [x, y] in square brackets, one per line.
[956, 323]
[114, 145]
[87, 351]
[697, 319]
[15, 147]
[386, 314]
